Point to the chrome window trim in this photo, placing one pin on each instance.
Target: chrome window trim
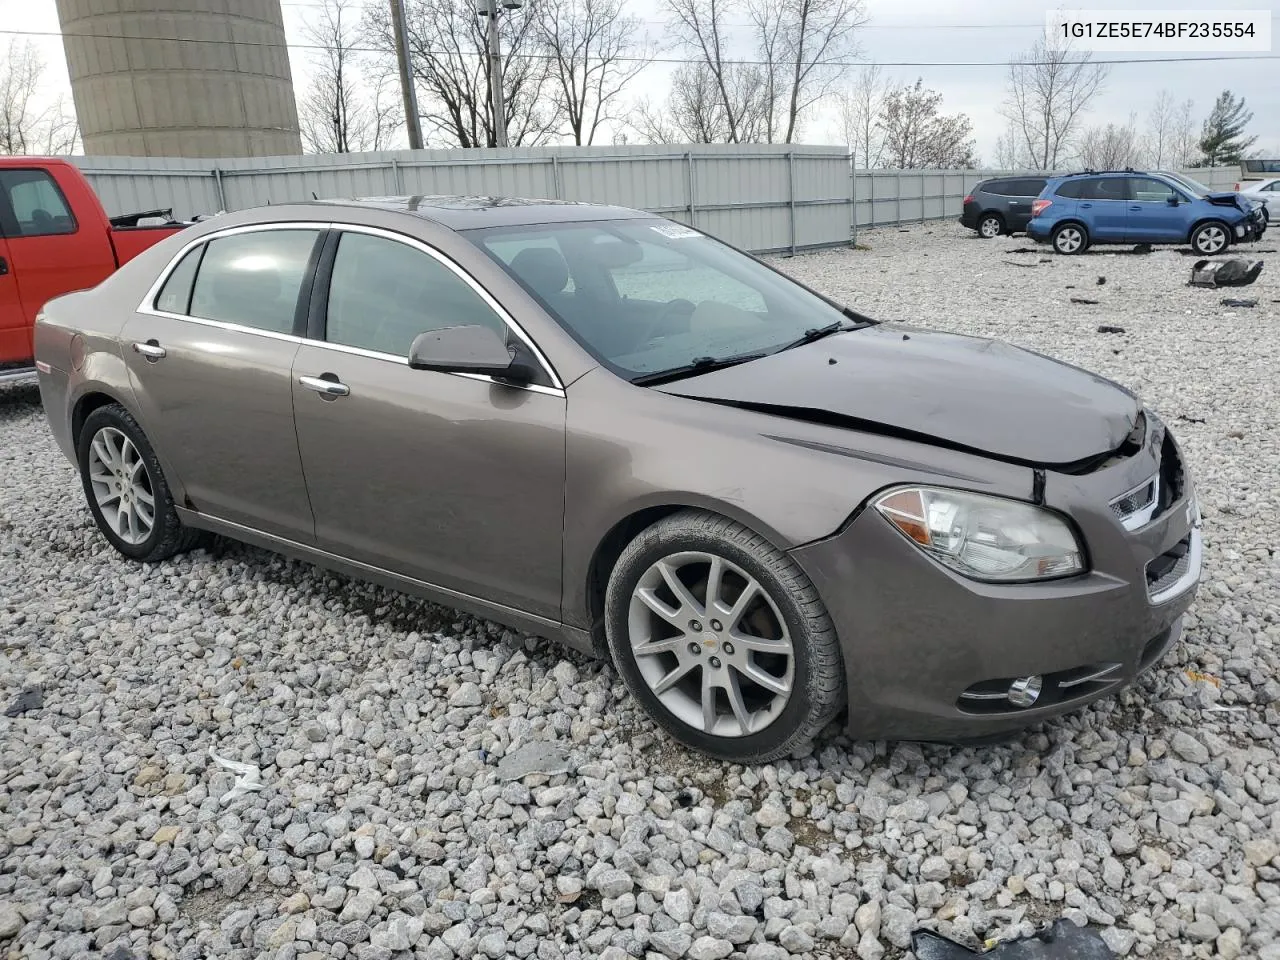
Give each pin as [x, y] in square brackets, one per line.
[147, 306]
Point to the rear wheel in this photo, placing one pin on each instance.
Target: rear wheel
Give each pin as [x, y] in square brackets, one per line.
[723, 639]
[127, 493]
[1069, 238]
[990, 226]
[1210, 238]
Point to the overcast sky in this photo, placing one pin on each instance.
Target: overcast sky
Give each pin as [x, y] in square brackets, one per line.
[917, 31]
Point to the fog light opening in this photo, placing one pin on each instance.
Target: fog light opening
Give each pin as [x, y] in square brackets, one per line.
[1025, 691]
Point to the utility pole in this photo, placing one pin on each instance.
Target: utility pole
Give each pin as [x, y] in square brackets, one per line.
[489, 8]
[406, 76]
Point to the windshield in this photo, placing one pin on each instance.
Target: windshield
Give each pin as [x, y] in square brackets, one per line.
[1195, 186]
[648, 296]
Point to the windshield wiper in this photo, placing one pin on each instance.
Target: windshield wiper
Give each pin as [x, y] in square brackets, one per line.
[818, 333]
[694, 367]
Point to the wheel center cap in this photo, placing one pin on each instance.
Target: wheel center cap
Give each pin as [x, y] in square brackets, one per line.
[709, 641]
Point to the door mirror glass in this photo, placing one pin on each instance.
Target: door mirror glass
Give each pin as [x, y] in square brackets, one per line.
[1173, 201]
[467, 349]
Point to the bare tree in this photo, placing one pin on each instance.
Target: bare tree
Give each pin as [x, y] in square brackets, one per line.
[447, 50]
[1112, 147]
[858, 107]
[694, 112]
[341, 112]
[27, 126]
[1183, 138]
[595, 50]
[1050, 88]
[799, 46]
[917, 136]
[1011, 153]
[1157, 140]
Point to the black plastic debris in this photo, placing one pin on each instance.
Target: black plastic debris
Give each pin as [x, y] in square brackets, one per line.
[1062, 940]
[1102, 281]
[1109, 328]
[1225, 273]
[1017, 263]
[1237, 302]
[30, 699]
[1084, 300]
[1142, 248]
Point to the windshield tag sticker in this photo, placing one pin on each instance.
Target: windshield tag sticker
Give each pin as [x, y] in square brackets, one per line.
[675, 231]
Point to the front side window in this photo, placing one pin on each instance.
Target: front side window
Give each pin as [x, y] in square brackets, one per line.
[647, 296]
[384, 293]
[253, 279]
[1147, 190]
[36, 207]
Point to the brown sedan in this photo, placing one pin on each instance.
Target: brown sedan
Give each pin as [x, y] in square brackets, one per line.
[598, 425]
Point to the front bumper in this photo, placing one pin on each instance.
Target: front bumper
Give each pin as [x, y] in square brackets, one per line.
[919, 640]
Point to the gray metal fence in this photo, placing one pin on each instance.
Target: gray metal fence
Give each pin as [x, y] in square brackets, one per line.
[761, 197]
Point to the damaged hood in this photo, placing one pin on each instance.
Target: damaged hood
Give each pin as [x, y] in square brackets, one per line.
[964, 392]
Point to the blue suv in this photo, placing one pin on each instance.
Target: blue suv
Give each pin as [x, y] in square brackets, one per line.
[1081, 209]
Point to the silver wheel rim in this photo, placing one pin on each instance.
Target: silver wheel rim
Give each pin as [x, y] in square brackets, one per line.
[1069, 240]
[989, 227]
[1212, 239]
[121, 486]
[711, 644]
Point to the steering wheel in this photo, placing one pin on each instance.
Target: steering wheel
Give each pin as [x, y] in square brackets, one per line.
[668, 320]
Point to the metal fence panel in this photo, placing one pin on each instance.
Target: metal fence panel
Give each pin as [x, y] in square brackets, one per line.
[761, 197]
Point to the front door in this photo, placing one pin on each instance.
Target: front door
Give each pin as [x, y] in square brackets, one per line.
[211, 361]
[43, 257]
[453, 480]
[1153, 217]
[1104, 204]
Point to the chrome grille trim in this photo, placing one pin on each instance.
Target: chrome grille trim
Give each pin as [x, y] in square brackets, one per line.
[1135, 508]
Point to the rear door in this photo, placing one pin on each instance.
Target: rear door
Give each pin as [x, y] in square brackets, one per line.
[49, 253]
[1104, 206]
[210, 355]
[1020, 193]
[450, 479]
[1152, 216]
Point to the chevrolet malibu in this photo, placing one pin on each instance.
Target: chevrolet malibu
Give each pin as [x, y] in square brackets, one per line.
[601, 426]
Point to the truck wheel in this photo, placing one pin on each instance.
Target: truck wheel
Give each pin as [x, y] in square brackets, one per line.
[127, 493]
[723, 639]
[1069, 238]
[1210, 238]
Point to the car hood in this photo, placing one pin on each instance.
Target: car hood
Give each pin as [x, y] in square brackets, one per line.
[968, 393]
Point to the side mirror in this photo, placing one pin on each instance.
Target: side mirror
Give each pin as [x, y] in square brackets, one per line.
[468, 349]
[1173, 201]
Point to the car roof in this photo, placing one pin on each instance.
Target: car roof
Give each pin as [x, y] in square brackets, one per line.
[469, 213]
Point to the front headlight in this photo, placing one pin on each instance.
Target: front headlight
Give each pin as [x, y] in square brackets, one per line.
[986, 538]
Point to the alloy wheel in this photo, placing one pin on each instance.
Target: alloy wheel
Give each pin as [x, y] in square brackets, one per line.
[1069, 240]
[1212, 239]
[711, 644]
[989, 228]
[121, 486]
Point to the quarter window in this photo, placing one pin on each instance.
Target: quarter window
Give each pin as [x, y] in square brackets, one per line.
[254, 278]
[36, 207]
[384, 293]
[176, 295]
[1072, 189]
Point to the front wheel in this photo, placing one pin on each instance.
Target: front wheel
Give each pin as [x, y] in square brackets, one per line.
[1069, 238]
[126, 490]
[1210, 238]
[723, 639]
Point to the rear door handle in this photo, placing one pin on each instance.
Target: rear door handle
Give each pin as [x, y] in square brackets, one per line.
[151, 350]
[326, 388]
[1087, 206]
[1136, 209]
[4, 267]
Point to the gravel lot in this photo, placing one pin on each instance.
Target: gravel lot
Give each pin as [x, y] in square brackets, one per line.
[390, 821]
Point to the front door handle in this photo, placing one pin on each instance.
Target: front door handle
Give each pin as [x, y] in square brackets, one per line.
[1086, 206]
[4, 267]
[151, 350]
[1136, 209]
[324, 387]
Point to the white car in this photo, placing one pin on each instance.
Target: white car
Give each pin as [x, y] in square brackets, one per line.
[1266, 192]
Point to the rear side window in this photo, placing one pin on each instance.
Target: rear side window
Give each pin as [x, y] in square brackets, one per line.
[32, 205]
[253, 279]
[1072, 189]
[1028, 188]
[175, 297]
[1104, 188]
[1001, 188]
[384, 293]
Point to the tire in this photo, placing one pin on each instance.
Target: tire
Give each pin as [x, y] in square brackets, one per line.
[112, 430]
[1211, 238]
[990, 226]
[703, 647]
[1069, 239]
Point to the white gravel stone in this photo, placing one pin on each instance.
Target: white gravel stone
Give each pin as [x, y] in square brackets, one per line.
[380, 723]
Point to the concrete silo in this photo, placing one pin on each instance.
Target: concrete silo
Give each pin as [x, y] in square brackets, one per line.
[180, 78]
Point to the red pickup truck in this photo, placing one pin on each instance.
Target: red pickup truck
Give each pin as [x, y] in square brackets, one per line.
[55, 237]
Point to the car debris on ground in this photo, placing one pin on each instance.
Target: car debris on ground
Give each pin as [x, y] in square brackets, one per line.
[1225, 273]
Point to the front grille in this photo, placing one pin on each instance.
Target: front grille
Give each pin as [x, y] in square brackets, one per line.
[1164, 572]
[1135, 501]
[1154, 497]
